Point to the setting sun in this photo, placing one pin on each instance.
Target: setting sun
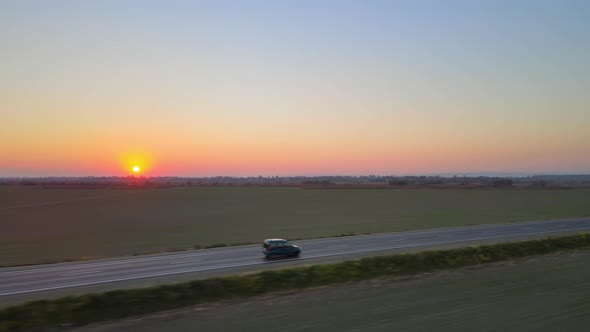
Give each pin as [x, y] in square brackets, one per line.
[135, 162]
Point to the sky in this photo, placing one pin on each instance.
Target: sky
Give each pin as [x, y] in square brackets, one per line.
[293, 87]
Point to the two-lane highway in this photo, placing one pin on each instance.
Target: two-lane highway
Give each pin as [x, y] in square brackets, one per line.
[44, 278]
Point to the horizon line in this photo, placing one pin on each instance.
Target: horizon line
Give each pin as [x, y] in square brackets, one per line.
[446, 174]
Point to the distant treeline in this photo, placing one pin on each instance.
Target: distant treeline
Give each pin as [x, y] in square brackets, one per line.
[536, 181]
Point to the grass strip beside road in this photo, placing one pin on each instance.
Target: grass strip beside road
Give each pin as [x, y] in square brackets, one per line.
[85, 309]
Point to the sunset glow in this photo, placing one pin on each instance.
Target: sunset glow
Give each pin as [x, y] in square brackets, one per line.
[246, 88]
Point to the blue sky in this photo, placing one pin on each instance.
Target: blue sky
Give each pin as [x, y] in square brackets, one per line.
[295, 87]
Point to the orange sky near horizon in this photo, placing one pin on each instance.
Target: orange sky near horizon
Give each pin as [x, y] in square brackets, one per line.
[212, 88]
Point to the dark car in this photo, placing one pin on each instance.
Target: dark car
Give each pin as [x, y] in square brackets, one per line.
[280, 248]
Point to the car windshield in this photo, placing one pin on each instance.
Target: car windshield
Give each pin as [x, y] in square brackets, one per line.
[279, 244]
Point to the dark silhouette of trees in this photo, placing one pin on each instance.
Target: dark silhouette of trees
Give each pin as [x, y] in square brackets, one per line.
[501, 183]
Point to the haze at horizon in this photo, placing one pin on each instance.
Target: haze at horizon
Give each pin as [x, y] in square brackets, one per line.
[294, 88]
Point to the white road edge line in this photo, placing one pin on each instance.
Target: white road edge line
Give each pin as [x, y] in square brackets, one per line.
[78, 265]
[79, 273]
[185, 261]
[266, 262]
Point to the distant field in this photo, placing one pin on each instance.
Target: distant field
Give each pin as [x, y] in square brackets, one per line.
[40, 225]
[541, 294]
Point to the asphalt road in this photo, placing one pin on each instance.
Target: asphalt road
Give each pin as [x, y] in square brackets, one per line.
[59, 277]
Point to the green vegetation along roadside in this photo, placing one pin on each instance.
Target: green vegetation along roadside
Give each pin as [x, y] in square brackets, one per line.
[85, 309]
[543, 294]
[51, 225]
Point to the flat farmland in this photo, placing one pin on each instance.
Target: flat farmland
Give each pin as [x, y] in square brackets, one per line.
[43, 225]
